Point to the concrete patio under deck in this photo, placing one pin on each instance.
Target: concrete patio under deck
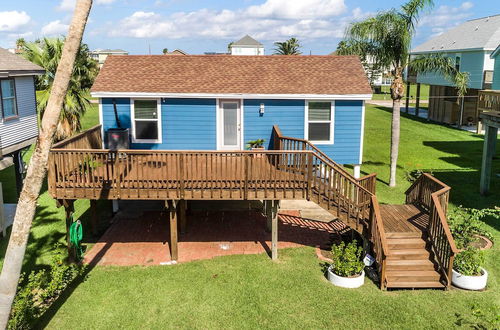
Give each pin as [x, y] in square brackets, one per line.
[143, 238]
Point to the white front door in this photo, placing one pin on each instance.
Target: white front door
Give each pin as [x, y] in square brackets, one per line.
[229, 125]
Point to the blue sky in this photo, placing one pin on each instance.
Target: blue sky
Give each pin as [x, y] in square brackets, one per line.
[197, 26]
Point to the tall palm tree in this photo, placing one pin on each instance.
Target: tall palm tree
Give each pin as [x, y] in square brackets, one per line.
[386, 39]
[47, 54]
[26, 207]
[20, 43]
[288, 47]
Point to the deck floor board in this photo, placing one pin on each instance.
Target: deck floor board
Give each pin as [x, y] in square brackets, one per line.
[403, 218]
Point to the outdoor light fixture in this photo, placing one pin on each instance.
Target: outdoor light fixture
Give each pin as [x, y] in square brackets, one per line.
[261, 110]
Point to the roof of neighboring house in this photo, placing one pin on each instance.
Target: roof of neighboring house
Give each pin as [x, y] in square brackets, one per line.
[246, 41]
[14, 64]
[109, 51]
[226, 74]
[495, 52]
[176, 52]
[477, 34]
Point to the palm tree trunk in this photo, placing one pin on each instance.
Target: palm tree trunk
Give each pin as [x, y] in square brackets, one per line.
[397, 93]
[395, 129]
[37, 168]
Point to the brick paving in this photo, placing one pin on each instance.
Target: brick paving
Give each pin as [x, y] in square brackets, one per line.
[144, 240]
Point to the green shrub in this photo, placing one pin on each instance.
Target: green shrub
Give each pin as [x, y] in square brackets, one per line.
[255, 143]
[347, 259]
[465, 223]
[469, 262]
[39, 290]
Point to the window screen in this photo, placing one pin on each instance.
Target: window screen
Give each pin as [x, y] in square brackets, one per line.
[146, 120]
[319, 121]
[8, 96]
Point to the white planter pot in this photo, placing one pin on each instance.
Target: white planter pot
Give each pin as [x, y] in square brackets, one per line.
[469, 282]
[346, 282]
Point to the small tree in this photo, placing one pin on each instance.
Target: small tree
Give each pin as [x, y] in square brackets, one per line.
[165, 51]
[229, 45]
[288, 47]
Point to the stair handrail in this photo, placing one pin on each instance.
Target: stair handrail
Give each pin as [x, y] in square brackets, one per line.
[378, 231]
[432, 194]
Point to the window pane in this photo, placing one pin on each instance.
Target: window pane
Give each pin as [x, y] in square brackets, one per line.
[7, 88]
[146, 109]
[320, 110]
[319, 131]
[146, 130]
[9, 107]
[230, 124]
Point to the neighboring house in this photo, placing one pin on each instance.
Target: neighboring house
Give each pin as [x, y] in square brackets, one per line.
[204, 102]
[100, 55]
[470, 45]
[495, 56]
[18, 116]
[247, 46]
[176, 52]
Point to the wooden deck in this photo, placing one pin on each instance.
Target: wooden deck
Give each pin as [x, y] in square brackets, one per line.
[406, 218]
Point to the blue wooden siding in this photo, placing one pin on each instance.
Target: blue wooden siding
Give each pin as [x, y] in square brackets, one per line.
[187, 124]
[472, 62]
[287, 114]
[496, 73]
[25, 126]
[191, 124]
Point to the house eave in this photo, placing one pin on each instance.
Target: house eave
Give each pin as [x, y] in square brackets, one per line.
[420, 52]
[233, 96]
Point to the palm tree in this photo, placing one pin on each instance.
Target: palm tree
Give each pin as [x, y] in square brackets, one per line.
[165, 51]
[229, 46]
[47, 54]
[288, 47]
[37, 168]
[386, 39]
[20, 43]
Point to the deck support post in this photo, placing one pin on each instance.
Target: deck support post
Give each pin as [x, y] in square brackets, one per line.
[172, 216]
[268, 205]
[407, 105]
[417, 101]
[182, 215]
[274, 229]
[94, 217]
[490, 139]
[19, 170]
[69, 210]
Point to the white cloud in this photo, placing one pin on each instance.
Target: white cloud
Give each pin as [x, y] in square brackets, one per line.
[447, 16]
[69, 5]
[13, 20]
[55, 28]
[272, 20]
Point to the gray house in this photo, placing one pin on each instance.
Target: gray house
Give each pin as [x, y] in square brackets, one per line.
[18, 116]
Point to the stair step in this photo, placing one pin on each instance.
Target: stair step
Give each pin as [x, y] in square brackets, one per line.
[409, 265]
[409, 254]
[406, 243]
[405, 235]
[412, 284]
[413, 276]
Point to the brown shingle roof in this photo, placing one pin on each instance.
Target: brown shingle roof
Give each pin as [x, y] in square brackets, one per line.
[233, 74]
[14, 63]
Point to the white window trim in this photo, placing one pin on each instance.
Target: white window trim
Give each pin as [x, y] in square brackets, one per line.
[132, 111]
[331, 121]
[219, 123]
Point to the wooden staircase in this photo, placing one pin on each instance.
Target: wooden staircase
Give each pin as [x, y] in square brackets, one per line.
[412, 243]
[411, 263]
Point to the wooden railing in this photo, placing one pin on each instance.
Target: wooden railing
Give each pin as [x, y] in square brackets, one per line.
[432, 194]
[369, 182]
[379, 240]
[89, 139]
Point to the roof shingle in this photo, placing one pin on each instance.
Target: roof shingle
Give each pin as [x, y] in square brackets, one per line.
[14, 62]
[226, 74]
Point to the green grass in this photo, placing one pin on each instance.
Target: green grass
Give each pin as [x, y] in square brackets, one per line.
[386, 94]
[250, 291]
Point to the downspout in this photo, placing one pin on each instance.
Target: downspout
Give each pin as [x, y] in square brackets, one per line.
[116, 114]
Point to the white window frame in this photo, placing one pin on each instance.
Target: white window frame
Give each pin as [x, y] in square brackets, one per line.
[158, 119]
[16, 110]
[331, 121]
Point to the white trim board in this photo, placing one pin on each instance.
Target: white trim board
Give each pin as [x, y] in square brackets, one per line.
[220, 124]
[362, 133]
[326, 97]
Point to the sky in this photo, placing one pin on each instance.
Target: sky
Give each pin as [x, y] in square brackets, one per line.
[198, 26]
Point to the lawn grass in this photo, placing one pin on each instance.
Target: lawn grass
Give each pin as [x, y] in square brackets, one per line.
[386, 94]
[250, 291]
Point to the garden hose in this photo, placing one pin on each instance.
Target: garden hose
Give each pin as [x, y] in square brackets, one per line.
[75, 238]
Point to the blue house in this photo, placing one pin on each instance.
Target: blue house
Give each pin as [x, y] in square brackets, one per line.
[495, 56]
[470, 46]
[204, 102]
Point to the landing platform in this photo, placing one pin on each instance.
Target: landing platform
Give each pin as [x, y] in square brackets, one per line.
[403, 218]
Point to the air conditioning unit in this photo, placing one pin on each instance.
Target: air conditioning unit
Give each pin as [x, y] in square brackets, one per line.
[118, 138]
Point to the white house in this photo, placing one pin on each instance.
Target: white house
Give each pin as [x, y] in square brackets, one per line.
[247, 46]
[100, 55]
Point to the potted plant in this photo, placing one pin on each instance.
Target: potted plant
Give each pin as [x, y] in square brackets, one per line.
[256, 144]
[467, 272]
[347, 267]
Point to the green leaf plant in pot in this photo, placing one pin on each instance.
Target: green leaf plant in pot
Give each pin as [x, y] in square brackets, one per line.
[468, 272]
[347, 268]
[256, 145]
